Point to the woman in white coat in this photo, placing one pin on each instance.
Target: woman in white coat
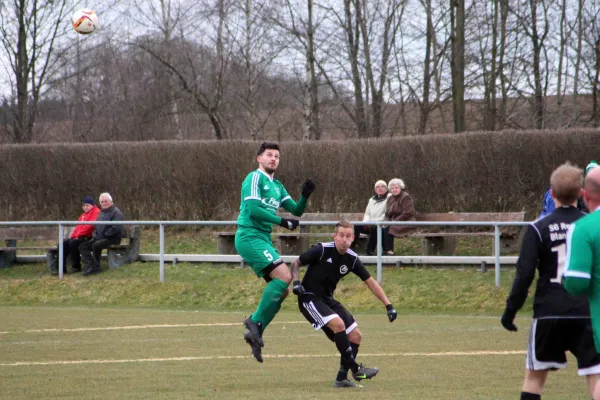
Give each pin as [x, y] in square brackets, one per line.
[375, 212]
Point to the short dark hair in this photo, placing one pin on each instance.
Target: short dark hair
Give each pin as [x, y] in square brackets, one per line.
[267, 146]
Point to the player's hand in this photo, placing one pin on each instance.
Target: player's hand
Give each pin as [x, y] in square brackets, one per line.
[290, 224]
[307, 188]
[298, 289]
[507, 321]
[391, 312]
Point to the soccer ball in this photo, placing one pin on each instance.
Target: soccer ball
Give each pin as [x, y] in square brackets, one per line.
[85, 21]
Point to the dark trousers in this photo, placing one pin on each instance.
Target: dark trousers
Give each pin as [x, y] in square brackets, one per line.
[92, 250]
[388, 240]
[71, 247]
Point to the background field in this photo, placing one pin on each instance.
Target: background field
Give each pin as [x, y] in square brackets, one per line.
[75, 353]
[97, 337]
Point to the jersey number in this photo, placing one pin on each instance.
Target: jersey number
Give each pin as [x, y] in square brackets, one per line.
[268, 255]
[561, 255]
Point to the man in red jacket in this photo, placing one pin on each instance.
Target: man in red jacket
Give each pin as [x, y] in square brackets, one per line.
[82, 233]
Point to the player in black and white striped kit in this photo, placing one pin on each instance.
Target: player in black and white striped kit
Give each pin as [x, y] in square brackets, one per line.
[561, 321]
[327, 264]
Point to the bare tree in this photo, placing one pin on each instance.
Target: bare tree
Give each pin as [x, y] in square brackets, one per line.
[312, 129]
[575, 107]
[29, 35]
[352, 33]
[299, 23]
[202, 73]
[457, 64]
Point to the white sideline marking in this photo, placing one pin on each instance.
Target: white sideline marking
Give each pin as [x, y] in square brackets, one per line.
[141, 360]
[131, 327]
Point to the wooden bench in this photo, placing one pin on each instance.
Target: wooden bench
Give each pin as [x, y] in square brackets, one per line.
[435, 240]
[118, 255]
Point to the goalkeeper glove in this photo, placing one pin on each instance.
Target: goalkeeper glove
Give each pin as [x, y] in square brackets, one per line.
[290, 224]
[298, 289]
[307, 188]
[391, 312]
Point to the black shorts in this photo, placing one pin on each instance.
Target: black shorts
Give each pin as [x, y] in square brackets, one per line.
[319, 311]
[551, 338]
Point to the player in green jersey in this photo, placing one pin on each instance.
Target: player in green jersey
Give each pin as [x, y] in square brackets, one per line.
[582, 272]
[261, 197]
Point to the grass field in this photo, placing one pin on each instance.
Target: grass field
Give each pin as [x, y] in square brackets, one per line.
[97, 353]
[124, 335]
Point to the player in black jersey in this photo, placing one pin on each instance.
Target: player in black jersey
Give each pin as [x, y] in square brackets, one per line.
[561, 322]
[327, 264]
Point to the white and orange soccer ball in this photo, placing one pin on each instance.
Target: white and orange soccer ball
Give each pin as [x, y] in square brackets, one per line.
[85, 21]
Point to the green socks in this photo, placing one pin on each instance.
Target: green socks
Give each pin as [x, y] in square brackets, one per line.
[270, 303]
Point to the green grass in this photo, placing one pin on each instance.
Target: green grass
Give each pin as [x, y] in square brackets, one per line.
[442, 312]
[69, 353]
[226, 287]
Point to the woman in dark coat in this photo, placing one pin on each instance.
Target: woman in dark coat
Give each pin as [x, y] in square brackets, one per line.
[400, 207]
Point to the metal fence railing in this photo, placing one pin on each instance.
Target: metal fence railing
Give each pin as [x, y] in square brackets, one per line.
[161, 224]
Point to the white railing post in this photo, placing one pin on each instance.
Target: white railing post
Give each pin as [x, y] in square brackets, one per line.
[379, 252]
[162, 253]
[61, 232]
[497, 253]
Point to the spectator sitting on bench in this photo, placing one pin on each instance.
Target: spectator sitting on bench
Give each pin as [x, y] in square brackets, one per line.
[400, 207]
[81, 233]
[104, 235]
[375, 212]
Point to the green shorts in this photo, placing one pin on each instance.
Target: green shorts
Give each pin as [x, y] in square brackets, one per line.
[256, 249]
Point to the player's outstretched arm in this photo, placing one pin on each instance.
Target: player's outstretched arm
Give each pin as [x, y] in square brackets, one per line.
[295, 269]
[257, 212]
[380, 294]
[298, 208]
[297, 287]
[526, 267]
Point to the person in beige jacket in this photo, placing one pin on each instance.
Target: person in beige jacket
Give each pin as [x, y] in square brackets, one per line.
[400, 207]
[375, 211]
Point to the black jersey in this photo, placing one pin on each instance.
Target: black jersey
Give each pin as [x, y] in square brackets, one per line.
[326, 267]
[544, 248]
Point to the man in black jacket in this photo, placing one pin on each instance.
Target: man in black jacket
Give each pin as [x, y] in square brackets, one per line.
[103, 236]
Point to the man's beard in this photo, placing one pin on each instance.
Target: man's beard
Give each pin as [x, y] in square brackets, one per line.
[269, 170]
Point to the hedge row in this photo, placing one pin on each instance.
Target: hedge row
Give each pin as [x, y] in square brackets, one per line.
[191, 180]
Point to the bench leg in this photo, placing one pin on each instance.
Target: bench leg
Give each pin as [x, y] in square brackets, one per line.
[438, 246]
[291, 246]
[51, 258]
[7, 258]
[226, 245]
[117, 257]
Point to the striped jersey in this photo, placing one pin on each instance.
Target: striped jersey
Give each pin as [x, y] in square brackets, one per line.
[271, 194]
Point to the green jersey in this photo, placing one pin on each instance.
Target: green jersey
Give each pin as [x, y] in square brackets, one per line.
[582, 270]
[271, 194]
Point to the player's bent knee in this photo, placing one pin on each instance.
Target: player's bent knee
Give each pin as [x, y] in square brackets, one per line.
[336, 325]
[282, 272]
[355, 336]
